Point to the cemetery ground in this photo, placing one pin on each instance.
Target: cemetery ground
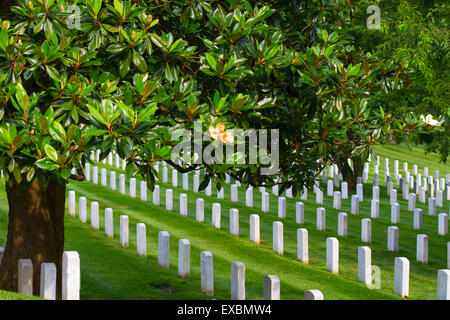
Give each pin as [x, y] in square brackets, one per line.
[109, 271]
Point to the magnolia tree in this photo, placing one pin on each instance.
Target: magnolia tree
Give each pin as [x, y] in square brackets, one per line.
[143, 77]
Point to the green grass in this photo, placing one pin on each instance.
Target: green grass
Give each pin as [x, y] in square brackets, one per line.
[7, 295]
[112, 272]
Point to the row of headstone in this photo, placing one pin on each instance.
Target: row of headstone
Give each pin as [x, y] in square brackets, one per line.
[70, 277]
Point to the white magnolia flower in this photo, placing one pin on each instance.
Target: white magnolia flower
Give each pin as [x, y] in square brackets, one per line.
[429, 120]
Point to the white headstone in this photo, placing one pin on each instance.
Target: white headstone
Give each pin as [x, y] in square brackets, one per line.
[432, 206]
[112, 180]
[365, 265]
[443, 224]
[103, 177]
[206, 272]
[184, 262]
[25, 277]
[133, 187]
[271, 288]
[143, 189]
[278, 237]
[109, 229]
[395, 213]
[321, 219]
[337, 200]
[72, 203]
[71, 276]
[422, 248]
[82, 209]
[156, 195]
[313, 295]
[443, 284]
[237, 281]
[185, 181]
[141, 239]
[199, 209]
[183, 204]
[95, 216]
[122, 183]
[342, 224]
[418, 219]
[374, 208]
[48, 281]
[174, 178]
[359, 191]
[281, 207]
[355, 205]
[330, 188]
[366, 230]
[393, 237]
[216, 215]
[302, 245]
[299, 213]
[332, 255]
[249, 197]
[234, 222]
[393, 198]
[124, 232]
[95, 174]
[319, 196]
[254, 228]
[344, 190]
[163, 249]
[401, 276]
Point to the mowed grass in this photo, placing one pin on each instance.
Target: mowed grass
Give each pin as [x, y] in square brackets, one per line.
[109, 271]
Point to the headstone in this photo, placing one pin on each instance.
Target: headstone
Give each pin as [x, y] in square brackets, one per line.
[418, 219]
[237, 281]
[124, 231]
[95, 174]
[366, 230]
[95, 224]
[321, 219]
[174, 178]
[184, 262]
[304, 195]
[365, 265]
[313, 295]
[254, 228]
[82, 209]
[395, 213]
[249, 197]
[185, 181]
[375, 209]
[299, 213]
[163, 249]
[332, 255]
[141, 239]
[355, 205]
[117, 161]
[342, 224]
[278, 237]
[330, 188]
[109, 230]
[344, 190]
[302, 245]
[169, 199]
[183, 204]
[319, 196]
[71, 276]
[401, 276]
[196, 182]
[234, 222]
[443, 284]
[275, 190]
[289, 192]
[422, 194]
[432, 206]
[281, 207]
[206, 273]
[443, 224]
[337, 200]
[112, 180]
[133, 187]
[48, 281]
[156, 195]
[412, 202]
[208, 190]
[393, 237]
[220, 193]
[122, 183]
[165, 178]
[216, 215]
[271, 288]
[359, 191]
[143, 189]
[439, 198]
[103, 177]
[72, 203]
[199, 209]
[393, 198]
[376, 192]
[422, 248]
[87, 172]
[25, 277]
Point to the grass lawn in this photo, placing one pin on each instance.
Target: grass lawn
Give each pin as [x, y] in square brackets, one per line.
[109, 271]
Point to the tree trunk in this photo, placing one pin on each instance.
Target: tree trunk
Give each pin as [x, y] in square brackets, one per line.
[351, 175]
[35, 231]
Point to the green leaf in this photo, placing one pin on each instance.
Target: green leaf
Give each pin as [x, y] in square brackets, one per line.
[119, 7]
[139, 62]
[211, 61]
[124, 67]
[65, 173]
[51, 152]
[46, 164]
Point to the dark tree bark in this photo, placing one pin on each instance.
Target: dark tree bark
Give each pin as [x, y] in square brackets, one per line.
[351, 175]
[5, 5]
[35, 231]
